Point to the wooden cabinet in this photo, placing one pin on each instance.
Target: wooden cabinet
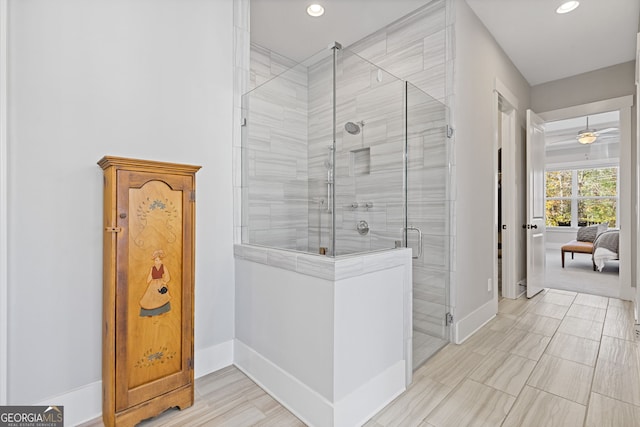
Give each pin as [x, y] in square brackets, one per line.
[148, 280]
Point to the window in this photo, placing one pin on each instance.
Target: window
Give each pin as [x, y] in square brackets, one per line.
[580, 197]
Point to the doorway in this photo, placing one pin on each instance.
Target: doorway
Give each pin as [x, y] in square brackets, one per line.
[509, 259]
[623, 106]
[582, 195]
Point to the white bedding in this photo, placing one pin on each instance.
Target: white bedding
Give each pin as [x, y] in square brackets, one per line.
[600, 255]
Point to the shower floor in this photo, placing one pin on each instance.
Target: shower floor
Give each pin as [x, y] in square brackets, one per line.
[425, 346]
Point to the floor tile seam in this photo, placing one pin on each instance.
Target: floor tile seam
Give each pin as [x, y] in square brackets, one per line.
[619, 400]
[590, 306]
[617, 337]
[532, 370]
[444, 399]
[593, 378]
[573, 361]
[496, 389]
[535, 332]
[526, 384]
[634, 342]
[617, 365]
[558, 304]
[585, 319]
[577, 336]
[616, 399]
[581, 336]
[622, 366]
[593, 373]
[541, 315]
[561, 397]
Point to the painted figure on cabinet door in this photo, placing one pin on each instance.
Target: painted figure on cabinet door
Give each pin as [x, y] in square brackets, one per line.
[156, 299]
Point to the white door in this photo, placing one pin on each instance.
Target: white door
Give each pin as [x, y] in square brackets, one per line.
[535, 205]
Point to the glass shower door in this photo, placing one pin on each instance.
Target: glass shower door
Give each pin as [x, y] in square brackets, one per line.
[428, 208]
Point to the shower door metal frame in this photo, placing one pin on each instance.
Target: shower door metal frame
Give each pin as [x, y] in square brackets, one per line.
[332, 202]
[446, 315]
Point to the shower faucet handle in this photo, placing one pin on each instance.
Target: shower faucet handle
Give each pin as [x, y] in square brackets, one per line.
[354, 205]
[368, 205]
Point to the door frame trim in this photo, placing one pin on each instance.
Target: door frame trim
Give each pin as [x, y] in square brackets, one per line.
[501, 91]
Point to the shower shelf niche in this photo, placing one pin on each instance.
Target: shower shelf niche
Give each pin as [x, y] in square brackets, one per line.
[360, 162]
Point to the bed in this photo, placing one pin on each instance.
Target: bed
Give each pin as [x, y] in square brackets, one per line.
[605, 248]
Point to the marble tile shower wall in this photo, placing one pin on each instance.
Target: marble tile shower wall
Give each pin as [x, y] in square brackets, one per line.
[416, 50]
[362, 96]
[274, 154]
[413, 49]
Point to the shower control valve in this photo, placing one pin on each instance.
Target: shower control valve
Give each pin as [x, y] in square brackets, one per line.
[362, 227]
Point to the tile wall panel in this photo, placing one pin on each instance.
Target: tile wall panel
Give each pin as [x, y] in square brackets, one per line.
[275, 153]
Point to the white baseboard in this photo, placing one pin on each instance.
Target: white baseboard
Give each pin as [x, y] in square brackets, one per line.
[522, 286]
[213, 358]
[307, 404]
[80, 405]
[85, 403]
[310, 406]
[468, 325]
[359, 406]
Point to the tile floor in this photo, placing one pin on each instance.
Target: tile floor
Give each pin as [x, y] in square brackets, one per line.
[559, 359]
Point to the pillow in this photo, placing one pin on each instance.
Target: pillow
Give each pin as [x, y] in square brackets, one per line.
[589, 234]
[602, 228]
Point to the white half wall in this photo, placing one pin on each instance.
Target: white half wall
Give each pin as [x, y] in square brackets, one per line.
[326, 337]
[150, 79]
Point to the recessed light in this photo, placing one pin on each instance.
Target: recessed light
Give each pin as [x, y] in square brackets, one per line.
[315, 10]
[567, 6]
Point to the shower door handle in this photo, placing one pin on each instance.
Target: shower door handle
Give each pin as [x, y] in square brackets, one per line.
[419, 240]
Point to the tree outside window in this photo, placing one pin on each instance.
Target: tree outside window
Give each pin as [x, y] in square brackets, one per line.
[582, 197]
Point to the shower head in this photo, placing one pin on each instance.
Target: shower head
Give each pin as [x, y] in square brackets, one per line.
[352, 128]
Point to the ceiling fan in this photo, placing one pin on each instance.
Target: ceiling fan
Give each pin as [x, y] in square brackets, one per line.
[589, 136]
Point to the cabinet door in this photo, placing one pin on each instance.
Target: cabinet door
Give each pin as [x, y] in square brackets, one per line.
[154, 285]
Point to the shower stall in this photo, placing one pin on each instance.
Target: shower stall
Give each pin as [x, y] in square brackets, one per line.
[342, 163]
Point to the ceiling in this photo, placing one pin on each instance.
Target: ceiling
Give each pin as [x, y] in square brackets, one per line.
[543, 45]
[546, 46]
[284, 26]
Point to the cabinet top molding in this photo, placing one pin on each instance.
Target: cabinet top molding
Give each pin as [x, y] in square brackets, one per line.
[138, 164]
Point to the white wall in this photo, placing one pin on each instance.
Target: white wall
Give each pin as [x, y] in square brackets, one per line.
[479, 61]
[610, 82]
[150, 79]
